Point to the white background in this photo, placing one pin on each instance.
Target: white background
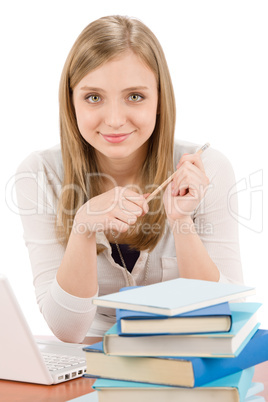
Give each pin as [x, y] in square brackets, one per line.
[217, 52]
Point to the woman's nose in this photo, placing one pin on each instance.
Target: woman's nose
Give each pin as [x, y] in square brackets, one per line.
[114, 115]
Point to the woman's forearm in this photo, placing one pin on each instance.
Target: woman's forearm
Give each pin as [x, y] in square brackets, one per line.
[193, 259]
[77, 274]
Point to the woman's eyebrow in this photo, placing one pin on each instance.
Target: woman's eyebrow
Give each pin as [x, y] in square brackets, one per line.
[86, 88]
[136, 88]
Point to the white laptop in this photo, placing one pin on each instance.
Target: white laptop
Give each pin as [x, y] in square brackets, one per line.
[22, 358]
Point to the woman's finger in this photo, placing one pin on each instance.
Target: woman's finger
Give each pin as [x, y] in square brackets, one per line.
[117, 226]
[125, 216]
[195, 159]
[135, 198]
[189, 176]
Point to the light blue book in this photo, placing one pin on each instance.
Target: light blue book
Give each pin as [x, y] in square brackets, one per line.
[255, 398]
[91, 397]
[231, 388]
[220, 344]
[173, 297]
[250, 396]
[256, 388]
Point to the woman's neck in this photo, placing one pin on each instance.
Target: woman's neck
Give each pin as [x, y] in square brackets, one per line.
[122, 172]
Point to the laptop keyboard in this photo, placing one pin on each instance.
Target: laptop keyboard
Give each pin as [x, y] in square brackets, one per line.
[58, 362]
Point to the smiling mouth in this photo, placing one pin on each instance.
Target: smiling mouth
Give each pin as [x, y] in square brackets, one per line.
[116, 138]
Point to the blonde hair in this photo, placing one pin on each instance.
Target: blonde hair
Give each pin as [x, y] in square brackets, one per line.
[99, 42]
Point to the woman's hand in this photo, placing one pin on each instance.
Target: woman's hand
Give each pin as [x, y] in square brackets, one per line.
[116, 210]
[185, 192]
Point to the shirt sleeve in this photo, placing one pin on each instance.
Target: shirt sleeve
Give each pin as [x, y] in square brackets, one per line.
[38, 187]
[215, 217]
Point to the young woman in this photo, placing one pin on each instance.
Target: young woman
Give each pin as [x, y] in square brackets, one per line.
[87, 225]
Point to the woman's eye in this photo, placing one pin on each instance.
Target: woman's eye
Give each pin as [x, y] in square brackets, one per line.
[93, 98]
[135, 97]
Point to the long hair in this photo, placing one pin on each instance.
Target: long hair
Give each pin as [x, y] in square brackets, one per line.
[98, 43]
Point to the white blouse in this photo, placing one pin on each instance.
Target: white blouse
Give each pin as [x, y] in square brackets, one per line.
[38, 185]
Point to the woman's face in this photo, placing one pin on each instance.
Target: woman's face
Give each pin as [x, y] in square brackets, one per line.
[116, 106]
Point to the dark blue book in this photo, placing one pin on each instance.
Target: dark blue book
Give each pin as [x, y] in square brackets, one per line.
[216, 318]
[175, 371]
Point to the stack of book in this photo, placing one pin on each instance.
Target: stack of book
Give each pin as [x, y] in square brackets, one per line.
[179, 340]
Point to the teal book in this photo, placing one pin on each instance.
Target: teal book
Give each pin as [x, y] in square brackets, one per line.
[177, 296]
[232, 388]
[216, 318]
[221, 344]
